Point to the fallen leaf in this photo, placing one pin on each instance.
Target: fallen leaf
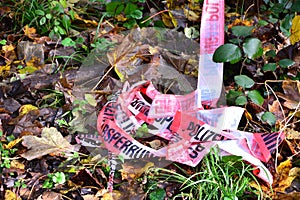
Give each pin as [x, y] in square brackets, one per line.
[284, 179]
[10, 195]
[50, 142]
[16, 164]
[27, 108]
[48, 195]
[130, 172]
[12, 143]
[295, 30]
[29, 32]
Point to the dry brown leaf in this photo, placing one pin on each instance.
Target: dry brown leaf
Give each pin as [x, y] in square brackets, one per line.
[50, 196]
[51, 141]
[130, 172]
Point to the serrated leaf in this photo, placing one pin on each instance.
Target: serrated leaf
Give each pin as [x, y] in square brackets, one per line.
[241, 100]
[256, 97]
[285, 63]
[243, 31]
[227, 53]
[269, 118]
[244, 81]
[253, 48]
[269, 67]
[51, 141]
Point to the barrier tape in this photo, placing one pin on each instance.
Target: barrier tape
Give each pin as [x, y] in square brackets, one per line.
[191, 133]
[181, 119]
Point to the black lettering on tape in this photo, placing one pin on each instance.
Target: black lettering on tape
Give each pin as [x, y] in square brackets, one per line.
[114, 137]
[120, 140]
[125, 145]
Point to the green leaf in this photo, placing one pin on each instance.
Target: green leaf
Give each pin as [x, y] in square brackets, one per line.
[66, 22]
[130, 8]
[39, 12]
[114, 8]
[59, 177]
[296, 6]
[3, 42]
[43, 20]
[269, 67]
[253, 48]
[68, 42]
[61, 30]
[271, 53]
[269, 118]
[255, 97]
[48, 16]
[227, 53]
[232, 95]
[242, 31]
[241, 100]
[286, 63]
[136, 14]
[158, 194]
[244, 81]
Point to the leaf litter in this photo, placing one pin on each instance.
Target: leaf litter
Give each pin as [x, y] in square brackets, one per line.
[146, 61]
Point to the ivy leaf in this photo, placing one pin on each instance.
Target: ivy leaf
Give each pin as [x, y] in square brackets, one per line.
[241, 100]
[256, 97]
[242, 31]
[270, 67]
[286, 63]
[232, 96]
[244, 81]
[227, 53]
[269, 118]
[59, 177]
[253, 48]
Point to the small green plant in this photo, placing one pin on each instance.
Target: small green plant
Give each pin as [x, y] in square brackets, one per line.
[6, 154]
[20, 183]
[52, 179]
[48, 17]
[218, 177]
[79, 105]
[126, 11]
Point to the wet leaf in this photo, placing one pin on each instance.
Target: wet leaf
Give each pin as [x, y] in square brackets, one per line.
[256, 97]
[50, 142]
[253, 48]
[227, 53]
[244, 81]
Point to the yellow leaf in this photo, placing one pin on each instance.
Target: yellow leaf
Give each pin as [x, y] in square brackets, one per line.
[27, 108]
[12, 143]
[284, 176]
[10, 195]
[121, 18]
[4, 69]
[28, 70]
[7, 48]
[114, 195]
[17, 165]
[29, 31]
[295, 30]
